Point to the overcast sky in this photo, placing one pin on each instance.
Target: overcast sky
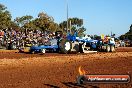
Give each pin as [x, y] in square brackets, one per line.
[100, 16]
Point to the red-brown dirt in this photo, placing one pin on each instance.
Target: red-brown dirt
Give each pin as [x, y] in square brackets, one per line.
[21, 70]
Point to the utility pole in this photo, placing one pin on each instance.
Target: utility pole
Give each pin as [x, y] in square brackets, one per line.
[67, 14]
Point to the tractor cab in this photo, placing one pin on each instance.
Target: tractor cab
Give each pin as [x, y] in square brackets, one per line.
[72, 37]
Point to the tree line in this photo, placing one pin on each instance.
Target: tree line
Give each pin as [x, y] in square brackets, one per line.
[127, 35]
[43, 22]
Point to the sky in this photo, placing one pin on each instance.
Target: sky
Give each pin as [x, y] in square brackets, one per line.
[100, 16]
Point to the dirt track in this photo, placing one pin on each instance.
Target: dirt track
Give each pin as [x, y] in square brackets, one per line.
[20, 70]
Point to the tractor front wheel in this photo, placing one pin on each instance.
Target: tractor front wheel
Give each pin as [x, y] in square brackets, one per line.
[43, 51]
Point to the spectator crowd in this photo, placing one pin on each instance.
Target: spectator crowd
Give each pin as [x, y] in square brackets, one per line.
[11, 39]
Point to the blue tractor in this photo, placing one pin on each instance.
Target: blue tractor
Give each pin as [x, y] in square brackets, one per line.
[71, 43]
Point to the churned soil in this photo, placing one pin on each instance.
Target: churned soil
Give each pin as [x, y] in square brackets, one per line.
[52, 70]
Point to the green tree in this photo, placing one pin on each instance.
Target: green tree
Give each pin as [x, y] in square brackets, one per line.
[24, 22]
[130, 31]
[5, 17]
[14, 26]
[127, 35]
[21, 21]
[30, 26]
[45, 22]
[75, 24]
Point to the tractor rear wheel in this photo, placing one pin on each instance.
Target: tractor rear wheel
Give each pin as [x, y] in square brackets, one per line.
[65, 46]
[107, 48]
[112, 48]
